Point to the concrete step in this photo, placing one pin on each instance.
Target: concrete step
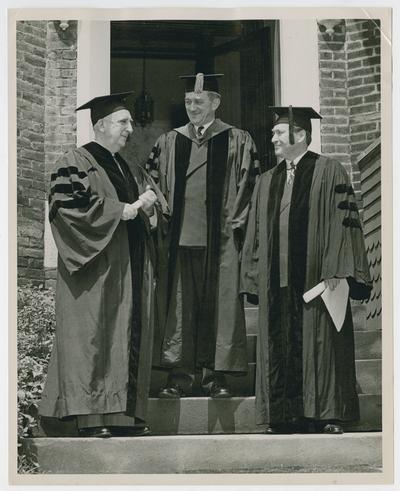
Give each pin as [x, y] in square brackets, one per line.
[368, 373]
[209, 454]
[359, 318]
[202, 415]
[192, 416]
[359, 312]
[368, 345]
[369, 376]
[239, 385]
[370, 414]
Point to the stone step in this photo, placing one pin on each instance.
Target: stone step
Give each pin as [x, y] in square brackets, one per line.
[359, 312]
[202, 415]
[192, 416]
[368, 374]
[375, 316]
[358, 309]
[370, 414]
[209, 454]
[368, 345]
[359, 316]
[239, 385]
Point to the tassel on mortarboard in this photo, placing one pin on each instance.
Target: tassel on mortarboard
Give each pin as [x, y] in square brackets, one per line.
[199, 83]
[291, 136]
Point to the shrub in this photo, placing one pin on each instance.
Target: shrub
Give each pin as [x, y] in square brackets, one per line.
[36, 324]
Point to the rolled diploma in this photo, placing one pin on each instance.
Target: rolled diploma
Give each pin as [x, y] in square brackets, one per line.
[314, 292]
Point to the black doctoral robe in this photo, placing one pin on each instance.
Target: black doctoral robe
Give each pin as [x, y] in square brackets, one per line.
[101, 358]
[306, 369]
[232, 167]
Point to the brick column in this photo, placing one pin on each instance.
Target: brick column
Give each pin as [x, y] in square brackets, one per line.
[60, 117]
[333, 98]
[46, 128]
[350, 91]
[31, 62]
[60, 92]
[364, 90]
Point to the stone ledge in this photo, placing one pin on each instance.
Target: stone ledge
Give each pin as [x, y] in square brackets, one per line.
[359, 312]
[369, 375]
[368, 345]
[203, 415]
[208, 454]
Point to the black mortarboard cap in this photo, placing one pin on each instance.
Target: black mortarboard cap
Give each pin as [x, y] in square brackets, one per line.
[295, 116]
[102, 106]
[201, 82]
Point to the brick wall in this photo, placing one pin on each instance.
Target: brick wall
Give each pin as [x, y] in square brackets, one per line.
[60, 99]
[46, 127]
[333, 98]
[350, 91]
[364, 89]
[31, 62]
[60, 92]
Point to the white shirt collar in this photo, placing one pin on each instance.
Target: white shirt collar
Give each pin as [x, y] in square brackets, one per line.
[297, 159]
[205, 126]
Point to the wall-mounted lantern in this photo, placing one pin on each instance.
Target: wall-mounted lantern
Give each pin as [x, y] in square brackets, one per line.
[66, 31]
[331, 26]
[63, 25]
[144, 104]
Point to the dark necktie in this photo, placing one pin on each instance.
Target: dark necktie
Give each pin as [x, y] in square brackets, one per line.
[200, 132]
[291, 168]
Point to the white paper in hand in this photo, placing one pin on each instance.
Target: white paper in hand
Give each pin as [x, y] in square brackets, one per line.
[336, 302]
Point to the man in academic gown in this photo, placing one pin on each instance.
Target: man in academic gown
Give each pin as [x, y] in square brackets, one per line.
[102, 215]
[206, 170]
[303, 228]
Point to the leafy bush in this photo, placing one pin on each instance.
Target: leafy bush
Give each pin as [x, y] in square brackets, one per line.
[36, 324]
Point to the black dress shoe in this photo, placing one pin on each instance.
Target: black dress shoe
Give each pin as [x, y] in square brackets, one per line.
[219, 392]
[95, 432]
[171, 392]
[130, 431]
[332, 429]
[279, 429]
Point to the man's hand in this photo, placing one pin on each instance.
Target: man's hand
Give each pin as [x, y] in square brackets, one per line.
[129, 212]
[332, 283]
[148, 198]
[145, 201]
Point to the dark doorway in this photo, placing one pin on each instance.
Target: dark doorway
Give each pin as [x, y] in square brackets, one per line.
[243, 51]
